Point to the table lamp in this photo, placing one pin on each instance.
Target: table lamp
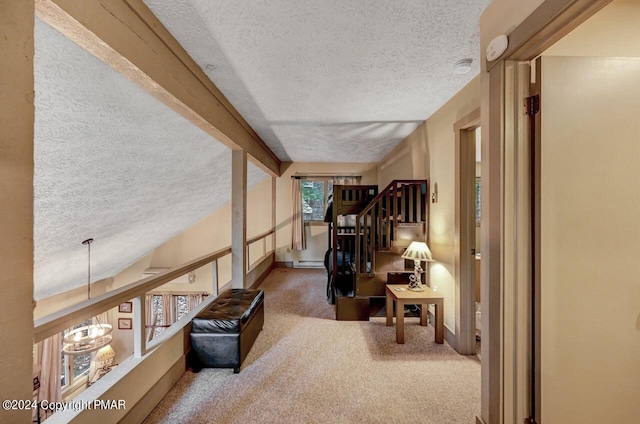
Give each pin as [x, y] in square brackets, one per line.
[105, 356]
[418, 251]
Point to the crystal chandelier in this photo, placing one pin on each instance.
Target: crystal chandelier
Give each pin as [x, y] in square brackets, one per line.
[92, 337]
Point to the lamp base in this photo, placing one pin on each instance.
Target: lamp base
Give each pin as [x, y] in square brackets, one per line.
[415, 283]
[419, 288]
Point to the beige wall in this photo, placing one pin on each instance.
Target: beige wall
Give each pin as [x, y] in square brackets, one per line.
[501, 17]
[16, 207]
[213, 233]
[122, 342]
[478, 174]
[259, 209]
[612, 32]
[429, 152]
[60, 301]
[316, 234]
[408, 160]
[590, 313]
[590, 303]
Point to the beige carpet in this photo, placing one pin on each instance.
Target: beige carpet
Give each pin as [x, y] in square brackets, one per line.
[305, 367]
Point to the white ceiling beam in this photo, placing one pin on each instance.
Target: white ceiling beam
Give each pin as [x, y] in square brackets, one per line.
[127, 36]
[239, 219]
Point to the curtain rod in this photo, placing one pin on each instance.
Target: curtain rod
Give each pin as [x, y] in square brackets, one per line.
[305, 176]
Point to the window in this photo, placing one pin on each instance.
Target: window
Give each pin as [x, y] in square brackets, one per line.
[314, 199]
[157, 316]
[182, 306]
[74, 368]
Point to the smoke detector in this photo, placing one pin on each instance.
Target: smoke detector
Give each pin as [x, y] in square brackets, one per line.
[462, 66]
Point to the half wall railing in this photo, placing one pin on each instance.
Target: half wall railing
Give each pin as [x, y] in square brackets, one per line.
[59, 321]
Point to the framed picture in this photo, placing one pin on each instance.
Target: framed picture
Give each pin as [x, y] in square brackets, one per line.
[126, 307]
[124, 324]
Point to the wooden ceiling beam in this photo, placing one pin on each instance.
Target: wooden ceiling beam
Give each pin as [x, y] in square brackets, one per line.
[128, 37]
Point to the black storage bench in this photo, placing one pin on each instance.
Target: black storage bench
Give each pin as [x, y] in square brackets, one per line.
[223, 333]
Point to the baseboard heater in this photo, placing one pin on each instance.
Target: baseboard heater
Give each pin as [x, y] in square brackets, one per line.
[308, 264]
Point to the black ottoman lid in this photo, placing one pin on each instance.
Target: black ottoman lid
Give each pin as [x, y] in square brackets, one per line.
[229, 312]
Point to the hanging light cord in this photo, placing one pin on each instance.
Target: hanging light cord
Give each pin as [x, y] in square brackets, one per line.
[86, 336]
[88, 243]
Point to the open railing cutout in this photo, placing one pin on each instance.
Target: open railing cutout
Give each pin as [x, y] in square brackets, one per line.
[402, 202]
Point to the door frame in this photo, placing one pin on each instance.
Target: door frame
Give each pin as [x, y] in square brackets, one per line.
[551, 21]
[465, 228]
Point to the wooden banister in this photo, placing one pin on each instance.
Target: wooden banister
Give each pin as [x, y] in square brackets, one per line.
[386, 189]
[61, 320]
[371, 222]
[260, 237]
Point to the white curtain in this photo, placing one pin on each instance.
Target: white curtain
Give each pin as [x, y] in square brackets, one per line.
[48, 360]
[193, 300]
[168, 309]
[345, 181]
[149, 316]
[298, 240]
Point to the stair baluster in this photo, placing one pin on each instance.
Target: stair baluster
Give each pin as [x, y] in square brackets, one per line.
[402, 202]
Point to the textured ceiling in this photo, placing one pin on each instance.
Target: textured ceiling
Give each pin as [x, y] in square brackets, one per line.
[330, 80]
[318, 80]
[114, 164]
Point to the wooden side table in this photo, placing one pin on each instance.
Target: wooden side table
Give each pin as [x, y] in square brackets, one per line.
[408, 297]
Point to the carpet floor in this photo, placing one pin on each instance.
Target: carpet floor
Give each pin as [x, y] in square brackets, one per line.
[306, 367]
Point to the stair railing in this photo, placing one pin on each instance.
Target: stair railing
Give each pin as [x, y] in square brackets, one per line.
[402, 201]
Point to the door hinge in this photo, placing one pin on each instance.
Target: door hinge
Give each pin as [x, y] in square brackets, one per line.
[473, 252]
[530, 420]
[532, 105]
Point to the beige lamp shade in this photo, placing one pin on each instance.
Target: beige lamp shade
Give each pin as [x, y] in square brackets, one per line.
[418, 251]
[105, 354]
